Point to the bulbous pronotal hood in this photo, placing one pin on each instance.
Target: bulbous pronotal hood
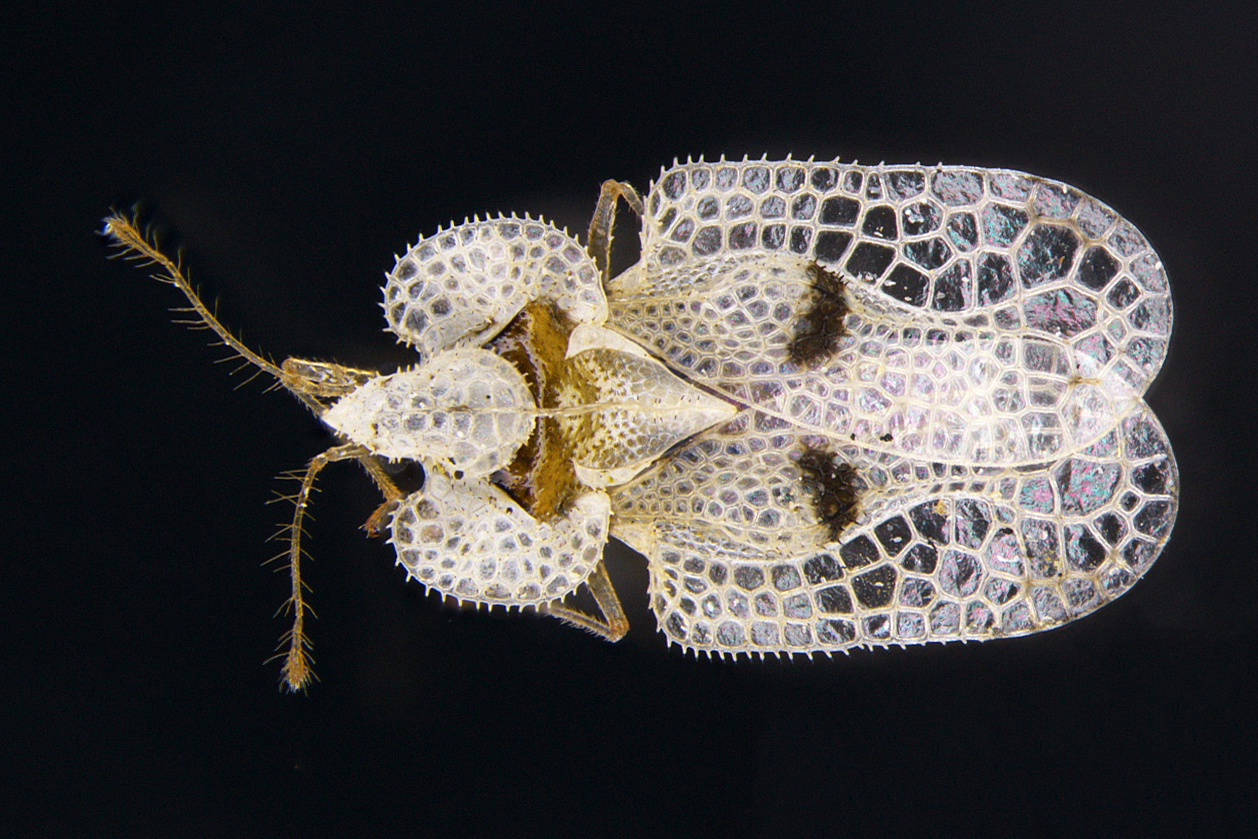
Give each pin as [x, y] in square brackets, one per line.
[467, 408]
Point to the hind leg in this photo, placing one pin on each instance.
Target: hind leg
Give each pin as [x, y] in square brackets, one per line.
[600, 233]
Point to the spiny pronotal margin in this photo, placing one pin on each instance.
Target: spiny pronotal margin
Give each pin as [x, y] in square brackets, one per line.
[820, 324]
[833, 487]
[541, 477]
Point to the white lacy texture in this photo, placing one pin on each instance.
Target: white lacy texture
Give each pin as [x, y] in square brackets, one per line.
[981, 344]
[468, 539]
[462, 286]
[464, 408]
[995, 317]
[1001, 332]
[624, 409]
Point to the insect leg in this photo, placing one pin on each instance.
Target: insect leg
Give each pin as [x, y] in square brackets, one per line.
[392, 494]
[614, 624]
[600, 234]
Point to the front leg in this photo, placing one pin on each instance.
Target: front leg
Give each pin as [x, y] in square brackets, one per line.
[388, 488]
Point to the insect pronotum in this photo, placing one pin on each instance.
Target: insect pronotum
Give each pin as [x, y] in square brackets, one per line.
[832, 405]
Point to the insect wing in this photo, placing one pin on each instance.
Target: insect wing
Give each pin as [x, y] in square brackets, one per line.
[461, 286]
[986, 316]
[1005, 249]
[982, 376]
[741, 563]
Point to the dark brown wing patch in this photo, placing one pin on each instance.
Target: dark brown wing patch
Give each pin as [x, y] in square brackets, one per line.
[820, 324]
[832, 485]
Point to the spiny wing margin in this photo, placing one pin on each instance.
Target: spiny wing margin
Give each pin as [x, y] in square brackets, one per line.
[957, 558]
[469, 540]
[982, 246]
[461, 286]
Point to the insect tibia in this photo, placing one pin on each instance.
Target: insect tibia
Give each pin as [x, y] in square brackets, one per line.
[135, 244]
[604, 221]
[614, 624]
[379, 520]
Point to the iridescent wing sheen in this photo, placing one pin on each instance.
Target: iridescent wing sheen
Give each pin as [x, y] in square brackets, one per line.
[991, 317]
[740, 562]
[975, 346]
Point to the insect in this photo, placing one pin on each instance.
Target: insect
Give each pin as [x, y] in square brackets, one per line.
[832, 405]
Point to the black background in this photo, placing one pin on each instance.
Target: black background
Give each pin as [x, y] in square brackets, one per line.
[291, 153]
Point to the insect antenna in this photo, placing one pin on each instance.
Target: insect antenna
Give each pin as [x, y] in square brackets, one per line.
[294, 647]
[140, 245]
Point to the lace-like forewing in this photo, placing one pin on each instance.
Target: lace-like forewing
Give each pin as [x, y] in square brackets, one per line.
[961, 315]
[741, 562]
[1021, 250]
